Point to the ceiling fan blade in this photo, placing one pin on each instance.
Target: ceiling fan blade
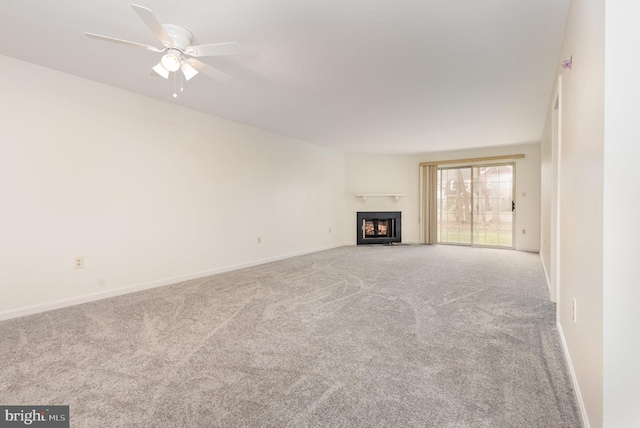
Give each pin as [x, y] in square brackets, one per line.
[215, 49]
[149, 18]
[208, 70]
[124, 42]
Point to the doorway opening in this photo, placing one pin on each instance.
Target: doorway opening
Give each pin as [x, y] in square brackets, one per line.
[475, 205]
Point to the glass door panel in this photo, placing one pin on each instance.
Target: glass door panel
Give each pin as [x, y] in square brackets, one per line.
[454, 203]
[474, 205]
[493, 215]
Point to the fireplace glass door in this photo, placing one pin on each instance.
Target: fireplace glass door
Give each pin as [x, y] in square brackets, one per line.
[376, 228]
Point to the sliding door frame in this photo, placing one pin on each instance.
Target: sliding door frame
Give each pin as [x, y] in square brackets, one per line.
[427, 216]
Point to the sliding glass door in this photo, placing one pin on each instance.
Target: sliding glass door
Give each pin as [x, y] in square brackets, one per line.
[475, 205]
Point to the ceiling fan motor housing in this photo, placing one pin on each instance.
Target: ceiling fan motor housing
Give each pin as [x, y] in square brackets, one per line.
[180, 36]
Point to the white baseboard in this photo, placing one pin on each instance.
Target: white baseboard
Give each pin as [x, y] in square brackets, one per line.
[574, 380]
[528, 250]
[546, 274]
[77, 300]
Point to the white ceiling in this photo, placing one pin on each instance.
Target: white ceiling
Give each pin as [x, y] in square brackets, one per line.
[383, 76]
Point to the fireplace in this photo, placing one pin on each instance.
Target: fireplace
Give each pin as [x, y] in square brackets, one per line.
[384, 227]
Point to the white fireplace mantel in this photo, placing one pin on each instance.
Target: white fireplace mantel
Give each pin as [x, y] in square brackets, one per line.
[364, 196]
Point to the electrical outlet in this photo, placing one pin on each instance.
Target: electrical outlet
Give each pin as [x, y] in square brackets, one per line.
[575, 310]
[78, 262]
[259, 240]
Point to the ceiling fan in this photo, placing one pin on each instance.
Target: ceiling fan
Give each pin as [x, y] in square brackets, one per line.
[179, 54]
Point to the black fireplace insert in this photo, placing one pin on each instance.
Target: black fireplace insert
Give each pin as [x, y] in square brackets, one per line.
[380, 227]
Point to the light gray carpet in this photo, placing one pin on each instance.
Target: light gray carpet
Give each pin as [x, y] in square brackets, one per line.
[393, 336]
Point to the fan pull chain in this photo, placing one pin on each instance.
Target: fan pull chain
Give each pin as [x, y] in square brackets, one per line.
[175, 85]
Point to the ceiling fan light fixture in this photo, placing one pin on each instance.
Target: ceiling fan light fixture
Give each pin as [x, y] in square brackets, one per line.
[163, 72]
[171, 61]
[188, 71]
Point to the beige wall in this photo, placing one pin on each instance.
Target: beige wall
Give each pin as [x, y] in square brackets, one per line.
[381, 174]
[621, 264]
[580, 204]
[148, 192]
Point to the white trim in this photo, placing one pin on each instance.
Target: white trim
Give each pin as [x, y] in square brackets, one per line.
[421, 202]
[546, 275]
[574, 380]
[556, 174]
[72, 301]
[527, 250]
